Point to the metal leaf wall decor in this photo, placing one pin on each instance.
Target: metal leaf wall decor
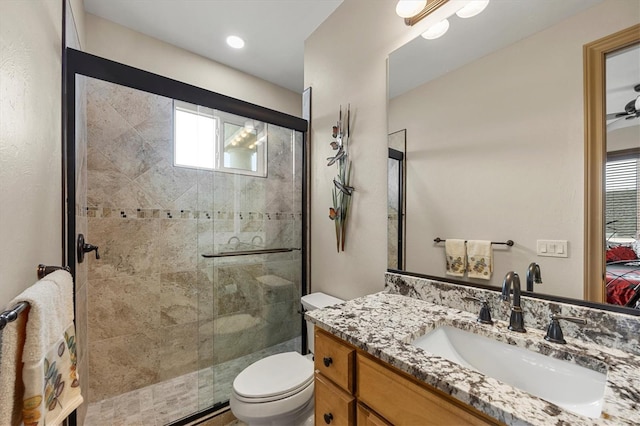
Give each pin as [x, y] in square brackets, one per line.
[342, 189]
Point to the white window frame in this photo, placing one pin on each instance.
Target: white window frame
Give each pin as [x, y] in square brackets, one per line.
[217, 147]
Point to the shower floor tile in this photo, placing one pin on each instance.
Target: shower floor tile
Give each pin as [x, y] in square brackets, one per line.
[168, 401]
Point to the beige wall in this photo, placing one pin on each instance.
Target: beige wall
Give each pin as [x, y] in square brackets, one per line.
[345, 63]
[509, 164]
[120, 44]
[30, 141]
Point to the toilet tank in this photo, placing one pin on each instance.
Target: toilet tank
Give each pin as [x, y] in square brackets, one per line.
[316, 301]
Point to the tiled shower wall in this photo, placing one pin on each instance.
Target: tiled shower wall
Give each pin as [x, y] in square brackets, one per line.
[81, 276]
[156, 308]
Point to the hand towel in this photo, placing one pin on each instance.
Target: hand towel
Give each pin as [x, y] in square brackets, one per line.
[11, 389]
[479, 259]
[51, 384]
[455, 253]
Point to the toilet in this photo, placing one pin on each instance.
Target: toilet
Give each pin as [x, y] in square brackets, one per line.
[278, 390]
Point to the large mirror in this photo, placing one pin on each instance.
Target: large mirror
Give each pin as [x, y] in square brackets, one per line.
[494, 113]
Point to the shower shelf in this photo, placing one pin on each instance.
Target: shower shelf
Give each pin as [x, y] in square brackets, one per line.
[249, 252]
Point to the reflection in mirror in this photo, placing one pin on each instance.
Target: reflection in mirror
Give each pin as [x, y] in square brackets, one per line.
[244, 146]
[621, 176]
[495, 145]
[395, 200]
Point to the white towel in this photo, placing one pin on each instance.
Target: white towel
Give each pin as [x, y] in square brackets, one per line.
[455, 253]
[11, 389]
[51, 384]
[479, 259]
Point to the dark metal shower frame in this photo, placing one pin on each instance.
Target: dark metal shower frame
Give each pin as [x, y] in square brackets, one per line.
[75, 62]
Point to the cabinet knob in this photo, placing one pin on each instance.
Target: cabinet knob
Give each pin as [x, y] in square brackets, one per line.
[327, 362]
[328, 416]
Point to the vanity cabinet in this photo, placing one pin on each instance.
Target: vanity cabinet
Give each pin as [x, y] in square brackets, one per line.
[354, 388]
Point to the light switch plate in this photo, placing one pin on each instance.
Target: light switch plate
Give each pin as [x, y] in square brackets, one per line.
[552, 248]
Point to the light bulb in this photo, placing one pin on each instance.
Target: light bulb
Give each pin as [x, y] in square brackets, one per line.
[436, 30]
[235, 42]
[409, 8]
[472, 8]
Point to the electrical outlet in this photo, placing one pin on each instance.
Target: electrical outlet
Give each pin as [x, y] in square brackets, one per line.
[552, 248]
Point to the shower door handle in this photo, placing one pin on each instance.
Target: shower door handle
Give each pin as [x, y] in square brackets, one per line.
[83, 248]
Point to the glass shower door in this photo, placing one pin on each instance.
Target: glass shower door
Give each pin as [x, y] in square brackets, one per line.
[250, 262]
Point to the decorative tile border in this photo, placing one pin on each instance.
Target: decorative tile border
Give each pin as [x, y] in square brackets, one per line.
[130, 213]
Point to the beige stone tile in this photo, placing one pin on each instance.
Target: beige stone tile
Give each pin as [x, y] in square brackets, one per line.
[104, 123]
[136, 106]
[103, 178]
[127, 247]
[178, 298]
[131, 196]
[122, 364]
[123, 306]
[177, 351]
[130, 154]
[81, 317]
[178, 248]
[166, 182]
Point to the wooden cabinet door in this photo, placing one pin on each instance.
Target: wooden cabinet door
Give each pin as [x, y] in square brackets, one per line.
[366, 417]
[334, 359]
[333, 406]
[403, 402]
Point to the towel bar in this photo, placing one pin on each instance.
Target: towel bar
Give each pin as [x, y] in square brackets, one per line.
[250, 252]
[509, 243]
[44, 270]
[12, 314]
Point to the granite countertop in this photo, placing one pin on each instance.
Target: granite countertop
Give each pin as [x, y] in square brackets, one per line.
[383, 324]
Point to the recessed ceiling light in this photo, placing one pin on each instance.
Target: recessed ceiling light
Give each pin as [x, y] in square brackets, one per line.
[235, 42]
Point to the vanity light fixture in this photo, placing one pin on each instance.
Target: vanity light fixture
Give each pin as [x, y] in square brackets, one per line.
[472, 8]
[235, 42]
[436, 30]
[409, 8]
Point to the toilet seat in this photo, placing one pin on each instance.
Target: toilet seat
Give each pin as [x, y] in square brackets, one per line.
[273, 378]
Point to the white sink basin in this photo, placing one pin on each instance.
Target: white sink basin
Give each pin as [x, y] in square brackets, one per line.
[570, 386]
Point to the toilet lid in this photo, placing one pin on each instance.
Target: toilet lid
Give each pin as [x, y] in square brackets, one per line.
[274, 376]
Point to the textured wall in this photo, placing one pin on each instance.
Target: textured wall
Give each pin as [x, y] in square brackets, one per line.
[345, 63]
[30, 147]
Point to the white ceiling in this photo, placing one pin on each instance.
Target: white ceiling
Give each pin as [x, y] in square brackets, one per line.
[502, 23]
[274, 30]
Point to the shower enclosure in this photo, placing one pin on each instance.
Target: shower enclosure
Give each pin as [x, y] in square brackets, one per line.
[195, 202]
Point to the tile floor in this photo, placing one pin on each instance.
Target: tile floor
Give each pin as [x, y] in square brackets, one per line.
[168, 401]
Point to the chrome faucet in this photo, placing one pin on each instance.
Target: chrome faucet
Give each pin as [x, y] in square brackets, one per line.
[533, 275]
[512, 281]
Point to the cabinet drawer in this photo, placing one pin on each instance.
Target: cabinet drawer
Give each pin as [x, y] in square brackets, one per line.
[402, 401]
[333, 406]
[366, 417]
[334, 359]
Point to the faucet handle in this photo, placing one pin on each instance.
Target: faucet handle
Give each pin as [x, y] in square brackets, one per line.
[554, 332]
[484, 317]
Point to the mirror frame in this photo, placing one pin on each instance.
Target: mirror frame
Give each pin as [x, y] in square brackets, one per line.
[594, 58]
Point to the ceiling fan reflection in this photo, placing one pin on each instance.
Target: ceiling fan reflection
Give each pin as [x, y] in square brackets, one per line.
[631, 109]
